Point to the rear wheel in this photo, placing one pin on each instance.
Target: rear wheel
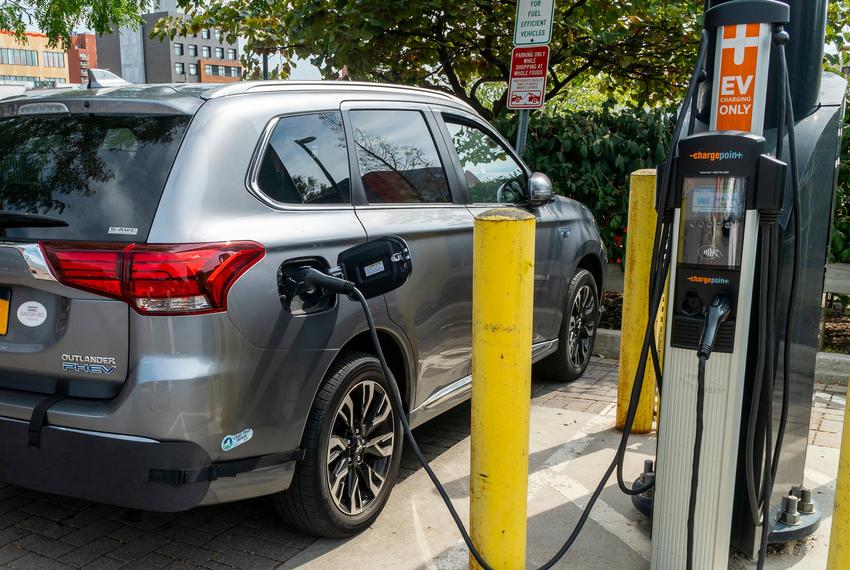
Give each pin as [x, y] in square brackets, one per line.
[353, 447]
[578, 331]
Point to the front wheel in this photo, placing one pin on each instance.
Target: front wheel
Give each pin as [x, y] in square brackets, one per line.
[353, 448]
[578, 331]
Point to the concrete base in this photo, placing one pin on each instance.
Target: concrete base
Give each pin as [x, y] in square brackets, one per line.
[569, 452]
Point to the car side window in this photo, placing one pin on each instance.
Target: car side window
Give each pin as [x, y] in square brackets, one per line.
[306, 161]
[398, 159]
[493, 176]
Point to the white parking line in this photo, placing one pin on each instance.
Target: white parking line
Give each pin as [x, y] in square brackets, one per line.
[553, 474]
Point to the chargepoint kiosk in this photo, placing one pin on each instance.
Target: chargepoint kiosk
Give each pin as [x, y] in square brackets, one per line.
[725, 184]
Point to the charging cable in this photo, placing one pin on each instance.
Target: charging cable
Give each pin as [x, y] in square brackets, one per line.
[716, 314]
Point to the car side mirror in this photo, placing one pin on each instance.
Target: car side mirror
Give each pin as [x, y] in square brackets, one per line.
[377, 266]
[540, 190]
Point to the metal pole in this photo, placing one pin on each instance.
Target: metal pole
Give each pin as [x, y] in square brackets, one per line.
[502, 295]
[522, 132]
[641, 226]
[839, 537]
[265, 65]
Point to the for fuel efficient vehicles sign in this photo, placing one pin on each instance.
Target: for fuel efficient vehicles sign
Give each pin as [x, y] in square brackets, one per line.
[533, 22]
[527, 87]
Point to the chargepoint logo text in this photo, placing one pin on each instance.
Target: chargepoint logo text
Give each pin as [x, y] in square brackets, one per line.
[708, 280]
[712, 156]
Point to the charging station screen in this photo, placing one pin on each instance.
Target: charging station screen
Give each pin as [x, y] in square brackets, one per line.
[711, 230]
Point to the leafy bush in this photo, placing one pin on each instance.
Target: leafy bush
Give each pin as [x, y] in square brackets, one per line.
[840, 250]
[589, 156]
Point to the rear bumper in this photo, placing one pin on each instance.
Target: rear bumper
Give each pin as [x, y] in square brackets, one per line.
[117, 469]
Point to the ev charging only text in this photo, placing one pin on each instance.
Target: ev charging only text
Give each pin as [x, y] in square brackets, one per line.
[733, 98]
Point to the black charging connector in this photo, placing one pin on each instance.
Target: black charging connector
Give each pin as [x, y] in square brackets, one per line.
[715, 315]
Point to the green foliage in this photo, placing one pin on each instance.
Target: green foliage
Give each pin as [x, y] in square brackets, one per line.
[640, 49]
[589, 156]
[58, 18]
[837, 34]
[840, 248]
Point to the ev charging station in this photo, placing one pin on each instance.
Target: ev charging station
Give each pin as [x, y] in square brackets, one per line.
[747, 215]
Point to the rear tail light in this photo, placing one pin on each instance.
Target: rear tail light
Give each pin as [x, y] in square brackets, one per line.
[179, 279]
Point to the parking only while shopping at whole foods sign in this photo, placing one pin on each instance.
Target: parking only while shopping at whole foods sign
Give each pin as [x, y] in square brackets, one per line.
[527, 86]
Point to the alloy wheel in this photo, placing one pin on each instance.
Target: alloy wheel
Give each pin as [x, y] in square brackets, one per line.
[360, 447]
[582, 325]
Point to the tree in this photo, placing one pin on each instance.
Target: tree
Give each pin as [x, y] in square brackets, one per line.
[641, 47]
[58, 18]
[640, 51]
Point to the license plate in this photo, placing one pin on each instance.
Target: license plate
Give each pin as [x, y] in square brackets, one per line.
[5, 297]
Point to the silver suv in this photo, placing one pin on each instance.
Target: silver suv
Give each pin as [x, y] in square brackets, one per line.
[146, 359]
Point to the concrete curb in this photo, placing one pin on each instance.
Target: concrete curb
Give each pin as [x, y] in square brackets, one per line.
[830, 368]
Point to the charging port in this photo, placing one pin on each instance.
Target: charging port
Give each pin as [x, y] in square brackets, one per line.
[691, 304]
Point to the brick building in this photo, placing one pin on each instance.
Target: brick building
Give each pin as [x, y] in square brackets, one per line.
[82, 55]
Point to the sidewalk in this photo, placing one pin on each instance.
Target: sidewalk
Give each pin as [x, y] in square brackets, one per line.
[572, 442]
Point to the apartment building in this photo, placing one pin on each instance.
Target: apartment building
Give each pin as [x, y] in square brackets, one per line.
[32, 60]
[82, 55]
[200, 58]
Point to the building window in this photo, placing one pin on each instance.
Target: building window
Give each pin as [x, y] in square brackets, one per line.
[219, 53]
[179, 68]
[193, 51]
[205, 51]
[54, 59]
[19, 56]
[234, 72]
[178, 49]
[205, 34]
[84, 56]
[193, 69]
[231, 53]
[208, 70]
[18, 78]
[218, 35]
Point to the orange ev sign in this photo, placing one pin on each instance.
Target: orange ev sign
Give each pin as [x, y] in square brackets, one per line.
[738, 65]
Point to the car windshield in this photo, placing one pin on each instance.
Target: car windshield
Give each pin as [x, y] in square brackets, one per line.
[102, 174]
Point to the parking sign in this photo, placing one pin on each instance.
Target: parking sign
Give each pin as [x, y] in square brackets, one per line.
[533, 23]
[529, 66]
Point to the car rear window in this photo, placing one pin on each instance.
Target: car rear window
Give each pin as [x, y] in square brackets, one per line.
[102, 174]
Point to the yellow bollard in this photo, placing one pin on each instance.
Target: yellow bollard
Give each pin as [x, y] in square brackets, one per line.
[839, 537]
[502, 297]
[641, 233]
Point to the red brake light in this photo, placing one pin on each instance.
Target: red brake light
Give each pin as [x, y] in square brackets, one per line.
[172, 279]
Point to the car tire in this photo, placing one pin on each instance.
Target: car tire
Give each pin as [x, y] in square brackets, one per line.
[578, 331]
[350, 466]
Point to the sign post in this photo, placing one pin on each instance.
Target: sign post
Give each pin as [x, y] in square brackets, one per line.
[529, 61]
[527, 86]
